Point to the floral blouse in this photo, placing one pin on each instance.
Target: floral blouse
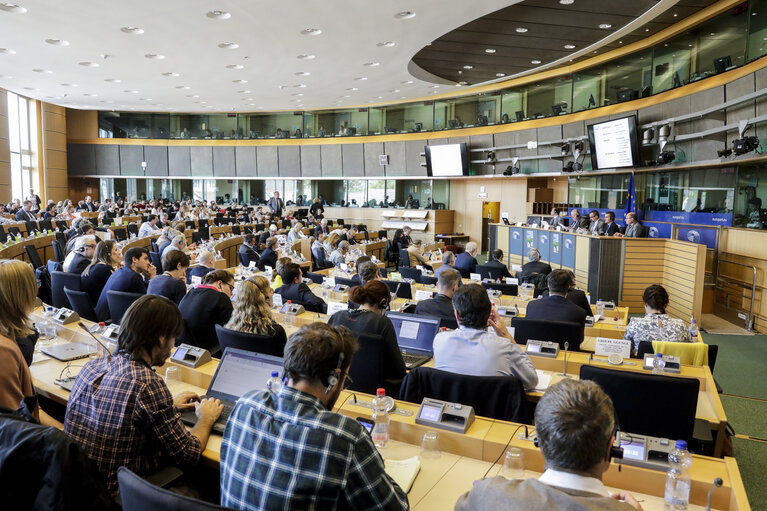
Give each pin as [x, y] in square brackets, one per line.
[656, 327]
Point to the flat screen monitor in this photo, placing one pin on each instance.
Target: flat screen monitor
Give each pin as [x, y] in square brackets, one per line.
[449, 160]
[614, 144]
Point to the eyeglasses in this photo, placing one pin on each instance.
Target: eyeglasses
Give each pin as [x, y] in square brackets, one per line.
[231, 286]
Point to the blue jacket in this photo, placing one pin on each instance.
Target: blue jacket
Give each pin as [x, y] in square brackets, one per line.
[170, 287]
[123, 279]
[555, 308]
[465, 263]
[197, 271]
[268, 258]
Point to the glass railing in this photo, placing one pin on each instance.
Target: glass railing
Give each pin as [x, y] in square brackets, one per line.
[720, 44]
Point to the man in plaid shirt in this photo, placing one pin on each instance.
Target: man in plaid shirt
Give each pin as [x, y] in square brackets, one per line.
[122, 413]
[290, 451]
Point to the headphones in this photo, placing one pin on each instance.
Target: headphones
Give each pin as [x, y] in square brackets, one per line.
[333, 376]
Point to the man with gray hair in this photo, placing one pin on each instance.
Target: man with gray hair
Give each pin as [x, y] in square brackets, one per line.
[534, 264]
[441, 305]
[577, 221]
[177, 243]
[82, 253]
[448, 263]
[204, 266]
[339, 255]
[415, 255]
[368, 271]
[575, 424]
[466, 262]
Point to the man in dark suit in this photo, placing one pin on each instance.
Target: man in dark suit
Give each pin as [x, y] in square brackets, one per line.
[576, 296]
[465, 262]
[556, 307]
[633, 228]
[596, 224]
[610, 226]
[577, 221]
[89, 205]
[269, 255]
[204, 265]
[80, 256]
[133, 277]
[25, 213]
[269, 233]
[496, 261]
[248, 248]
[322, 228]
[296, 291]
[441, 305]
[534, 264]
[276, 205]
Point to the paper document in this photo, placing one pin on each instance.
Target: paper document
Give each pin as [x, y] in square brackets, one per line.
[403, 471]
[544, 380]
[409, 329]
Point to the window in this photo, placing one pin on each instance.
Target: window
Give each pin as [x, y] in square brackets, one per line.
[107, 188]
[22, 130]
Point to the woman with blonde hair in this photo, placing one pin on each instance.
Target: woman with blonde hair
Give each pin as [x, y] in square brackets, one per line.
[252, 310]
[276, 279]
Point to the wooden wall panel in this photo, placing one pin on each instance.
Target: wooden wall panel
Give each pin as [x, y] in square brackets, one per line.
[52, 180]
[82, 124]
[5, 151]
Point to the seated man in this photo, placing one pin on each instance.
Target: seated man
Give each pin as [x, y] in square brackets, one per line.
[366, 271]
[576, 296]
[556, 219]
[575, 423]
[472, 350]
[296, 291]
[269, 255]
[248, 248]
[120, 410]
[177, 243]
[204, 265]
[133, 277]
[496, 261]
[596, 224]
[448, 263]
[633, 229]
[441, 305]
[611, 228]
[415, 255]
[338, 256]
[149, 227]
[556, 306]
[271, 233]
[577, 221]
[288, 450]
[82, 253]
[534, 264]
[466, 262]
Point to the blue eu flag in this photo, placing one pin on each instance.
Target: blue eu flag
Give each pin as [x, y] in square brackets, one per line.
[631, 199]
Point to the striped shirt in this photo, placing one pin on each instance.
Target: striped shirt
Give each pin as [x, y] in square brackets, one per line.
[287, 451]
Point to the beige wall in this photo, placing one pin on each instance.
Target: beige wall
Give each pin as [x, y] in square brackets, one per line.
[81, 124]
[54, 150]
[5, 150]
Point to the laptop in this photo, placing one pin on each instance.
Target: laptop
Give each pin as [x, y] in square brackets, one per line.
[415, 336]
[238, 372]
[69, 351]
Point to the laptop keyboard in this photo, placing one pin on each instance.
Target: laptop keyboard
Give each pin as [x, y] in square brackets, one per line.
[413, 360]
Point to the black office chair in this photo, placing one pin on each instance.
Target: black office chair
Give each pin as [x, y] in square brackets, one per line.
[346, 282]
[429, 281]
[132, 229]
[61, 225]
[497, 397]
[14, 231]
[316, 277]
[367, 370]
[202, 224]
[244, 259]
[156, 261]
[190, 224]
[45, 225]
[644, 348]
[403, 289]
[547, 330]
[649, 404]
[120, 234]
[318, 258]
[410, 273]
[391, 253]
[153, 244]
[404, 257]
[260, 227]
[505, 289]
[489, 272]
[450, 323]
[236, 230]
[204, 232]
[54, 266]
[118, 302]
[60, 280]
[81, 304]
[33, 256]
[266, 344]
[31, 227]
[138, 494]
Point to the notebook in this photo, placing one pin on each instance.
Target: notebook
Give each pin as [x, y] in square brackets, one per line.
[415, 336]
[403, 472]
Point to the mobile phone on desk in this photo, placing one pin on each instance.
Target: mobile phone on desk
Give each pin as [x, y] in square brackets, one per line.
[366, 423]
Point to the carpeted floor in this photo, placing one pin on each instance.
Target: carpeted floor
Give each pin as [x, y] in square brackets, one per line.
[752, 462]
[741, 364]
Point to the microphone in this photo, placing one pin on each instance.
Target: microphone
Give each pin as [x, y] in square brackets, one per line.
[717, 484]
[109, 354]
[564, 369]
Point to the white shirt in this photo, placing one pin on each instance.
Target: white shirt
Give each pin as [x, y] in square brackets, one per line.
[572, 481]
[147, 229]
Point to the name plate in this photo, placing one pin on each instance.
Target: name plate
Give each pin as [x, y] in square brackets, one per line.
[277, 300]
[475, 277]
[196, 280]
[512, 281]
[334, 307]
[606, 346]
[421, 294]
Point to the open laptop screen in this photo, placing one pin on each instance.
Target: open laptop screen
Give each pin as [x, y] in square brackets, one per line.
[414, 332]
[241, 371]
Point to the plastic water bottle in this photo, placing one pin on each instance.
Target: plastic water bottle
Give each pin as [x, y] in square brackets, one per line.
[48, 329]
[693, 329]
[601, 308]
[658, 364]
[288, 317]
[380, 432]
[677, 495]
[274, 384]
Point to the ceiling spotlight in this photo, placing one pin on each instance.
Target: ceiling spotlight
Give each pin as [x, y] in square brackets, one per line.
[647, 136]
[311, 31]
[578, 148]
[394, 91]
[361, 78]
[665, 157]
[513, 168]
[535, 62]
[567, 2]
[31, 88]
[235, 66]
[572, 166]
[14, 8]
[664, 132]
[302, 73]
[521, 30]
[154, 56]
[569, 47]
[218, 15]
[305, 57]
[500, 75]
[131, 91]
[57, 42]
[7, 51]
[352, 88]
[173, 75]
[405, 15]
[434, 86]
[244, 92]
[490, 50]
[69, 85]
[565, 149]
[385, 44]
[372, 64]
[605, 26]
[462, 83]
[300, 85]
[297, 94]
[89, 64]
[724, 153]
[229, 46]
[44, 71]
[468, 67]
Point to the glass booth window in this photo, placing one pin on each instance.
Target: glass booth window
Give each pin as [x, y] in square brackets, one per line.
[751, 205]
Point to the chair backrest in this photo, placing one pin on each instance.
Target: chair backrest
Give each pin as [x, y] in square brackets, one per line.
[498, 397]
[410, 273]
[132, 229]
[403, 289]
[153, 244]
[14, 231]
[319, 255]
[54, 266]
[60, 280]
[118, 302]
[45, 225]
[244, 259]
[62, 225]
[536, 279]
[547, 330]
[649, 404]
[138, 494]
[266, 344]
[713, 351]
[156, 261]
[81, 304]
[190, 224]
[58, 251]
[120, 234]
[429, 281]
[34, 257]
[489, 272]
[317, 278]
[346, 282]
[367, 369]
[505, 289]
[202, 223]
[644, 348]
[236, 230]
[31, 226]
[404, 257]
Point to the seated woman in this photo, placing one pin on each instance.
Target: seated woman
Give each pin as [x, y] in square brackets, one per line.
[172, 283]
[106, 259]
[373, 299]
[252, 310]
[206, 306]
[656, 325]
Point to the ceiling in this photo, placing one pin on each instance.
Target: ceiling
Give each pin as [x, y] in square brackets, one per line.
[83, 54]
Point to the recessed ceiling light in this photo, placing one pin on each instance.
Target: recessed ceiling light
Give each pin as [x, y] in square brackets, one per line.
[243, 92]
[490, 50]
[302, 73]
[300, 85]
[521, 30]
[647, 30]
[386, 44]
[193, 95]
[131, 91]
[44, 71]
[218, 15]
[184, 87]
[402, 97]
[605, 26]
[536, 62]
[172, 75]
[372, 64]
[145, 99]
[248, 99]
[407, 81]
[7, 51]
[567, 2]
[31, 88]
[311, 31]
[499, 75]
[133, 30]
[14, 8]
[57, 42]
[468, 67]
[229, 46]
[154, 56]
[305, 57]
[69, 85]
[89, 64]
[352, 88]
[394, 91]
[112, 80]
[6, 77]
[297, 94]
[675, 15]
[569, 47]
[235, 66]
[239, 81]
[405, 15]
